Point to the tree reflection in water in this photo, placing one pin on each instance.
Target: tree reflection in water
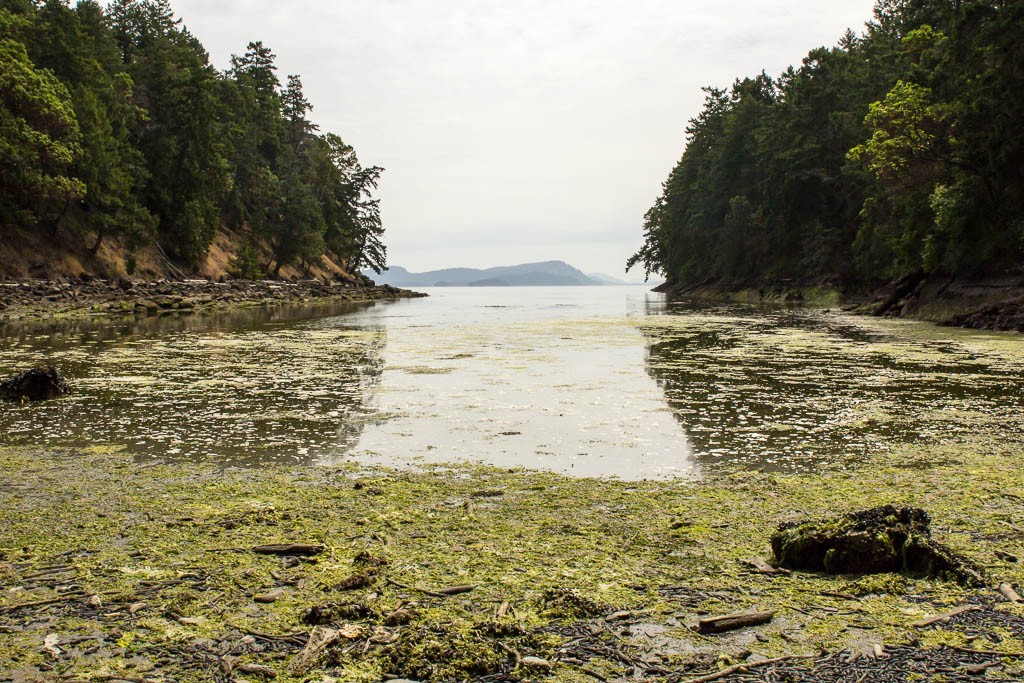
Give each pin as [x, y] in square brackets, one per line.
[245, 387]
[787, 390]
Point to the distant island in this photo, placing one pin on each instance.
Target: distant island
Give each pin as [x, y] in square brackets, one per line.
[544, 274]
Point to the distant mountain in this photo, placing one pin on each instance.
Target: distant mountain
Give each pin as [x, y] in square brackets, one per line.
[607, 279]
[546, 274]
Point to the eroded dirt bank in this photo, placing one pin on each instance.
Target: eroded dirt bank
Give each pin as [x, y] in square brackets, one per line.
[27, 299]
[114, 569]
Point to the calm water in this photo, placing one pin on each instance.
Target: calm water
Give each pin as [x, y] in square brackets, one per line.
[603, 381]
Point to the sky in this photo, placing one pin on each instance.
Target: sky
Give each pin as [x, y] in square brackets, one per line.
[518, 130]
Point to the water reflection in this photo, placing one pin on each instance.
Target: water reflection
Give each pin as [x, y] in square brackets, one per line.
[543, 378]
[796, 389]
[245, 387]
[598, 381]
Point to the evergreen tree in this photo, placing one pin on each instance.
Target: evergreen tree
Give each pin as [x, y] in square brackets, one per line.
[40, 139]
[890, 154]
[113, 125]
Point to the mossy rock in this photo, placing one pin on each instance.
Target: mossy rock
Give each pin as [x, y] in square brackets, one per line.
[41, 383]
[441, 652]
[880, 540]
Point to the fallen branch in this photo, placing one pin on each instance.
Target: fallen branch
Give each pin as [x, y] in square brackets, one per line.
[42, 603]
[456, 590]
[740, 668]
[511, 651]
[944, 618]
[294, 638]
[592, 674]
[731, 622]
[320, 638]
[304, 549]
[440, 593]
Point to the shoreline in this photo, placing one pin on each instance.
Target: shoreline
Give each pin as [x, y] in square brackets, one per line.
[25, 300]
[995, 304]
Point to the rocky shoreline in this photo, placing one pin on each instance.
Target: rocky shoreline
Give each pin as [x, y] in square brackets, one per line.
[88, 296]
[995, 304]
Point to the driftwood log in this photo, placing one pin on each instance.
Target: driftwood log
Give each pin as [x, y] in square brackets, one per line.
[303, 549]
[731, 622]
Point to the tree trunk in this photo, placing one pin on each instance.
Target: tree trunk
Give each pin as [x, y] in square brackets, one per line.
[99, 241]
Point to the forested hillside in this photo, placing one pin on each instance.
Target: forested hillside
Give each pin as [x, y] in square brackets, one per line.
[897, 152]
[117, 135]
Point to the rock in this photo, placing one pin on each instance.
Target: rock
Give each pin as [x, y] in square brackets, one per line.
[882, 539]
[41, 383]
[147, 305]
[536, 663]
[268, 598]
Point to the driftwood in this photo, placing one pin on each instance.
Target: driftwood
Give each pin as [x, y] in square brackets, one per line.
[741, 668]
[731, 622]
[1009, 593]
[455, 590]
[67, 597]
[320, 638]
[944, 618]
[304, 549]
[439, 593]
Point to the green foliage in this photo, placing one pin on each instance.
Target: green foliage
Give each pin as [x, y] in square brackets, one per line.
[39, 135]
[247, 263]
[114, 123]
[891, 153]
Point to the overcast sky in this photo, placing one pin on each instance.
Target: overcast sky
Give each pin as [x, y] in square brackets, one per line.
[517, 130]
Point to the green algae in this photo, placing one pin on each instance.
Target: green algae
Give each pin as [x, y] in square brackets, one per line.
[176, 539]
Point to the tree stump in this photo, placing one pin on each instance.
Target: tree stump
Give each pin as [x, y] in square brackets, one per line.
[882, 539]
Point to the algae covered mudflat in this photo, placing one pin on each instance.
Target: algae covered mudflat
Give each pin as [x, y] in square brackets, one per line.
[131, 513]
[117, 571]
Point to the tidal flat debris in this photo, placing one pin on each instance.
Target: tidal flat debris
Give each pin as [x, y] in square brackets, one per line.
[289, 549]
[732, 622]
[329, 613]
[1008, 592]
[320, 639]
[879, 540]
[41, 383]
[566, 603]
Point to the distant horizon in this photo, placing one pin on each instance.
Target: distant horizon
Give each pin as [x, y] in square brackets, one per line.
[635, 276]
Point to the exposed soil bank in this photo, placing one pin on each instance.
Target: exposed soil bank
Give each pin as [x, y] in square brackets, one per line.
[27, 299]
[984, 304]
[472, 573]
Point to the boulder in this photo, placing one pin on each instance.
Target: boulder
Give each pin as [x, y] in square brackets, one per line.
[41, 383]
[882, 539]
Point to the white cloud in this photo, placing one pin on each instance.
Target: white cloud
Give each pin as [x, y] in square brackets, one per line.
[540, 123]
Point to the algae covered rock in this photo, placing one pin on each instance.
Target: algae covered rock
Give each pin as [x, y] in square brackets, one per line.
[879, 540]
[41, 383]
